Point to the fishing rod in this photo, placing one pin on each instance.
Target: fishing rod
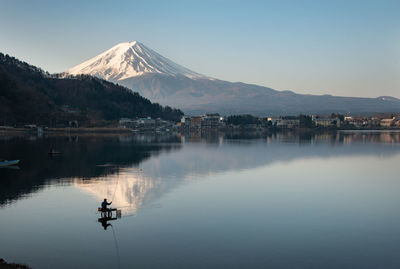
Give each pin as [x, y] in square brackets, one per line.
[130, 215]
[115, 190]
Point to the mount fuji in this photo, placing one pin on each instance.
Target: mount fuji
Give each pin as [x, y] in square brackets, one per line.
[159, 79]
[130, 59]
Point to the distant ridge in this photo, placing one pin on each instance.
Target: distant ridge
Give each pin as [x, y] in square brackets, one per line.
[143, 70]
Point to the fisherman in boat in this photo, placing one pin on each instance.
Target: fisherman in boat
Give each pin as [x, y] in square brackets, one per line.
[104, 205]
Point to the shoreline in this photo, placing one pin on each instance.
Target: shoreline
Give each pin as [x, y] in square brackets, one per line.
[65, 131]
[6, 265]
[11, 131]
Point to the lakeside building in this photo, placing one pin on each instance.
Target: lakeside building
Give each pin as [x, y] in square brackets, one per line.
[185, 120]
[289, 122]
[141, 124]
[126, 123]
[211, 121]
[247, 122]
[146, 124]
[374, 122]
[326, 122]
[358, 122]
[284, 122]
[387, 122]
[377, 121]
[207, 121]
[273, 121]
[195, 123]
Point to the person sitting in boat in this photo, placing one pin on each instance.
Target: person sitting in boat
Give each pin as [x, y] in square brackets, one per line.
[104, 205]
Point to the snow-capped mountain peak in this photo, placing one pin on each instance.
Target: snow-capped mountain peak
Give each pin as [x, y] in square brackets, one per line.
[139, 68]
[130, 59]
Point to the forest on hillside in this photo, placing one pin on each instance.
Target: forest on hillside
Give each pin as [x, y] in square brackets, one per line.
[29, 95]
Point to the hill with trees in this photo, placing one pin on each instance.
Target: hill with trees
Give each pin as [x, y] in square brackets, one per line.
[29, 95]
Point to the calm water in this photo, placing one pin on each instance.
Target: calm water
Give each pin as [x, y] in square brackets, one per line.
[279, 201]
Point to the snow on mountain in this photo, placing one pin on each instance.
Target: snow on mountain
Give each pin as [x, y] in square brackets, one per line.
[157, 78]
[130, 59]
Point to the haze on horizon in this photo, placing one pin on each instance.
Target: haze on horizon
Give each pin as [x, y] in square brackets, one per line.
[347, 48]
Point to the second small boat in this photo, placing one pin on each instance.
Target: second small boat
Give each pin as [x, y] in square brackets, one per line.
[4, 163]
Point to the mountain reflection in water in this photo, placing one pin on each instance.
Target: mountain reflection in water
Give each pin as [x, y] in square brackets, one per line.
[139, 169]
[84, 158]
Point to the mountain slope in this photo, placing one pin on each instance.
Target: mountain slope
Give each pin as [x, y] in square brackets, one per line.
[29, 95]
[144, 71]
[197, 96]
[129, 59]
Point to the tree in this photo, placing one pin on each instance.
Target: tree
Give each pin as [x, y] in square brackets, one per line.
[306, 121]
[241, 119]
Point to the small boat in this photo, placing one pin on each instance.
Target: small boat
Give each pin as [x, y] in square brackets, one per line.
[54, 152]
[4, 163]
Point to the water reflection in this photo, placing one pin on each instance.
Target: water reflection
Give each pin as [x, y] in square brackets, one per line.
[256, 199]
[102, 166]
[131, 188]
[95, 163]
[81, 157]
[300, 137]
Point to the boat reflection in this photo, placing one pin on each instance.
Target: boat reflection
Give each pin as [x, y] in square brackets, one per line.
[104, 221]
[12, 167]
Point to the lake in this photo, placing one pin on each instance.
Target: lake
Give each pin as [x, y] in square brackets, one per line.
[203, 201]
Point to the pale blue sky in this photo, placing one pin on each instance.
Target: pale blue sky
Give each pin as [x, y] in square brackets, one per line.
[349, 48]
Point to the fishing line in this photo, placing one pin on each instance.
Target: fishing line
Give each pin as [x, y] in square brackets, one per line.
[116, 246]
[128, 206]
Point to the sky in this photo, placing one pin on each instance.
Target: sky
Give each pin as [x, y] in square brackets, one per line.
[346, 48]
